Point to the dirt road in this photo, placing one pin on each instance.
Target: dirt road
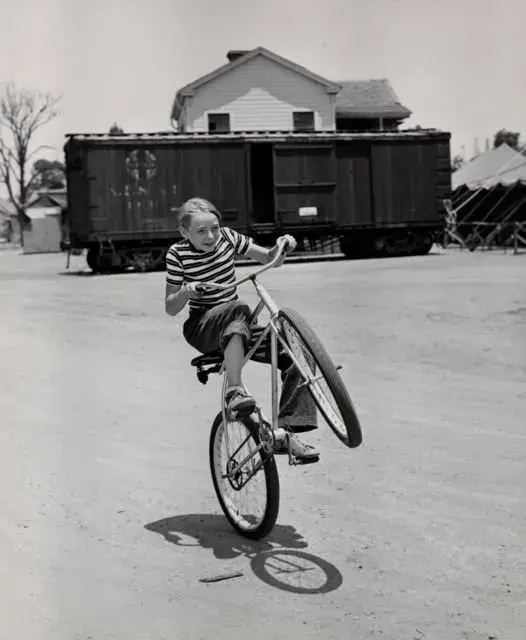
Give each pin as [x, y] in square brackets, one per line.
[108, 520]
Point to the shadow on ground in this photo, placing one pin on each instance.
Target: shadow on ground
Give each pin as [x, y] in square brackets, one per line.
[278, 560]
[78, 273]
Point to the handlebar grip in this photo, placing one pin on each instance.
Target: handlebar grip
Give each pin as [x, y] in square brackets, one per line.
[285, 243]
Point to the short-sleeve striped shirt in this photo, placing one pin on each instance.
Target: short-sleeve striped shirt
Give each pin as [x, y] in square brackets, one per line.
[185, 264]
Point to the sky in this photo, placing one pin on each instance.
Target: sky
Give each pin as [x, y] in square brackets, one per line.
[459, 65]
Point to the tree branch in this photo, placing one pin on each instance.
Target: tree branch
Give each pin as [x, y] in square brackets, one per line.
[38, 150]
[22, 113]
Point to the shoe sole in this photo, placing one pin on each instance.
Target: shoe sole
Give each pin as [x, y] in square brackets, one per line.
[311, 458]
[308, 460]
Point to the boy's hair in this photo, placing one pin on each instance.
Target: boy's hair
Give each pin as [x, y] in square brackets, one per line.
[193, 206]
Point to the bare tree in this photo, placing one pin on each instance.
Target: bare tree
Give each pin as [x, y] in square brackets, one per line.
[22, 113]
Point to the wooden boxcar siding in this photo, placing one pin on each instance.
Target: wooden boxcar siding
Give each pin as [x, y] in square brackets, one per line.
[260, 95]
[353, 190]
[404, 182]
[136, 191]
[443, 170]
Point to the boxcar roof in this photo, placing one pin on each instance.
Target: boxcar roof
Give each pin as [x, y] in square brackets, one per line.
[261, 136]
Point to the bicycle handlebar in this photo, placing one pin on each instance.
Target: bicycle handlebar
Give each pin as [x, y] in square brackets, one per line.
[217, 285]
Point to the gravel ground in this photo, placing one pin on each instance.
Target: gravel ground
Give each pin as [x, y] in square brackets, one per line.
[109, 521]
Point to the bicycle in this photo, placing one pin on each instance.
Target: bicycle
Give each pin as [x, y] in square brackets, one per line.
[238, 468]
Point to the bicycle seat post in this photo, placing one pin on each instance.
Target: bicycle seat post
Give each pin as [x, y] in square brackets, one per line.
[274, 377]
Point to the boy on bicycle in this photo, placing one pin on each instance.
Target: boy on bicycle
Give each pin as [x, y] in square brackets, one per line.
[219, 321]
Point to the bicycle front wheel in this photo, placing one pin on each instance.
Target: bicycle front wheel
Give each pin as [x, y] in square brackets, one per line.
[326, 385]
[245, 477]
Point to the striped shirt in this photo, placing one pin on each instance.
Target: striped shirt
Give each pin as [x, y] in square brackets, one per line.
[186, 264]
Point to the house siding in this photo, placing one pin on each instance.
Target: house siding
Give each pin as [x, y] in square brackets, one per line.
[259, 95]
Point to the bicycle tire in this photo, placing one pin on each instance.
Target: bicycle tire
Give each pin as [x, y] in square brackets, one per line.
[352, 437]
[270, 471]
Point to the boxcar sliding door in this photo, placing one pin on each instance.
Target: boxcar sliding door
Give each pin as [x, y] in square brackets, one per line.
[304, 184]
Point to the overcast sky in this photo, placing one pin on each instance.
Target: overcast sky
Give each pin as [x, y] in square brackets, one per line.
[459, 65]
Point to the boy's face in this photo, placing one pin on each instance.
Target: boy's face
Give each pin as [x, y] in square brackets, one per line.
[203, 231]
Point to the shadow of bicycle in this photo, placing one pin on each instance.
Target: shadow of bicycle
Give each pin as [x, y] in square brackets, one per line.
[278, 560]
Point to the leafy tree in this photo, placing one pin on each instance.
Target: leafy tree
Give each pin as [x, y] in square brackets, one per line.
[457, 162]
[22, 113]
[115, 130]
[511, 138]
[48, 174]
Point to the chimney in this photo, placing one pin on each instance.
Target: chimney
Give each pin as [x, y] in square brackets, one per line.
[234, 54]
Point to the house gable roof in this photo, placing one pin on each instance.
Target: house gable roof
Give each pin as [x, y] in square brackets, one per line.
[49, 199]
[187, 90]
[369, 98]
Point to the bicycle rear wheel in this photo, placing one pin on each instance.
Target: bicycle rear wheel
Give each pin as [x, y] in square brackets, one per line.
[326, 387]
[245, 480]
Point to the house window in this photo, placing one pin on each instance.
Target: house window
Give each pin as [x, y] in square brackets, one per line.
[303, 120]
[218, 123]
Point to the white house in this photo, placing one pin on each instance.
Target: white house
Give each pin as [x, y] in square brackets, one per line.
[256, 90]
[9, 226]
[259, 90]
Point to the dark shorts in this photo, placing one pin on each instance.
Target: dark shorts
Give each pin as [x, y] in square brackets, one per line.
[210, 329]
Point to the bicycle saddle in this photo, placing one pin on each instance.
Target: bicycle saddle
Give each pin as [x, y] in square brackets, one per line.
[212, 358]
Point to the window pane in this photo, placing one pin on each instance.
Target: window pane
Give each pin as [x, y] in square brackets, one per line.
[219, 122]
[303, 120]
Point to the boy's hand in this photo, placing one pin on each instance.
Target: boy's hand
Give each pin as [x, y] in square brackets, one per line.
[290, 244]
[194, 289]
[290, 241]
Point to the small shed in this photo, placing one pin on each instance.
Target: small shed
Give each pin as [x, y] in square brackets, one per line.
[9, 226]
[44, 232]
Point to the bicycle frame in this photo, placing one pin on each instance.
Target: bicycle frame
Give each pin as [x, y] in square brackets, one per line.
[272, 327]
[265, 302]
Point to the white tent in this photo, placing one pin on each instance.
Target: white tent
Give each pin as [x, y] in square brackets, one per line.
[502, 165]
[493, 208]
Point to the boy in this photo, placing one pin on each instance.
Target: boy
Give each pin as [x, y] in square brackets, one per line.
[219, 321]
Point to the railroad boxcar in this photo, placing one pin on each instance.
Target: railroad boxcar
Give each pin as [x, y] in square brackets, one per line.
[378, 193]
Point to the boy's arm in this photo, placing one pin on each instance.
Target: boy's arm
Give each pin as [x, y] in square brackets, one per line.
[177, 295]
[258, 253]
[175, 299]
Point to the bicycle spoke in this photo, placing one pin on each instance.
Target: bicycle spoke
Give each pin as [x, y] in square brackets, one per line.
[244, 492]
[315, 380]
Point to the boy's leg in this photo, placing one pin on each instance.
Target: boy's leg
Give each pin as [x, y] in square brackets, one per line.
[297, 410]
[234, 355]
[236, 397]
[225, 328]
[297, 413]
